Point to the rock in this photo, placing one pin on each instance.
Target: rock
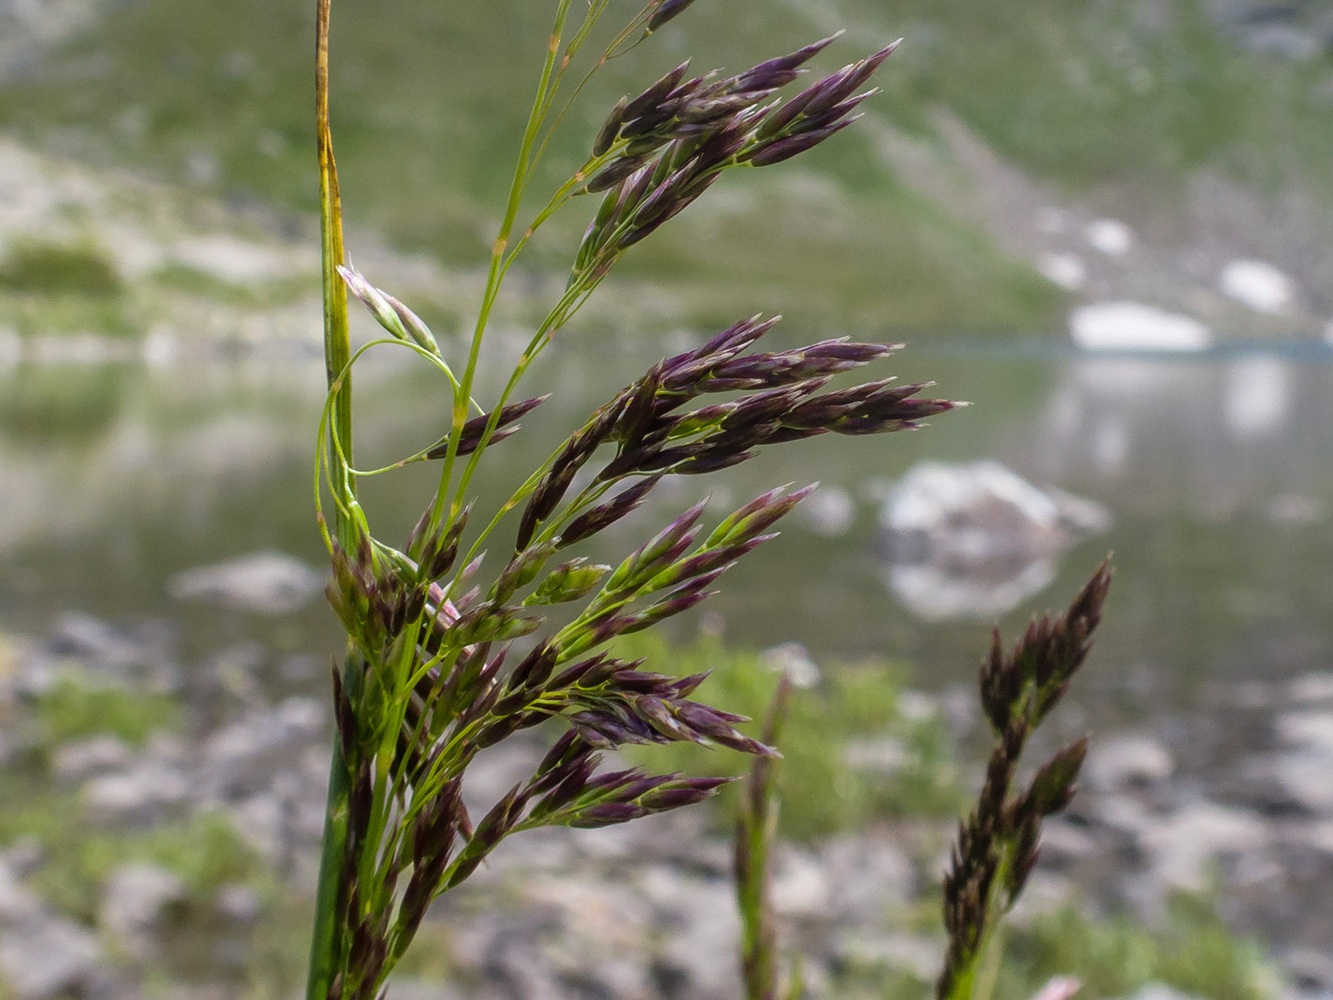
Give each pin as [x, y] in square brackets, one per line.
[1312, 729]
[1258, 285]
[1044, 894]
[982, 511]
[232, 259]
[976, 540]
[1304, 771]
[1130, 326]
[265, 582]
[913, 953]
[18, 903]
[85, 637]
[800, 886]
[95, 755]
[135, 899]
[1309, 970]
[1311, 688]
[1065, 269]
[704, 939]
[1109, 236]
[418, 988]
[47, 957]
[792, 659]
[238, 902]
[1127, 760]
[262, 822]
[870, 874]
[1161, 991]
[242, 757]
[135, 795]
[1183, 844]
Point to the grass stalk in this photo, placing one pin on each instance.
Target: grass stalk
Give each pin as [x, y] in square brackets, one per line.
[326, 942]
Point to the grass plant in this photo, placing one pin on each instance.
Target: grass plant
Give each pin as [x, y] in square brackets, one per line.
[448, 655]
[445, 660]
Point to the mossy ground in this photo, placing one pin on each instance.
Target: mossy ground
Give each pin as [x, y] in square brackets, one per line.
[823, 787]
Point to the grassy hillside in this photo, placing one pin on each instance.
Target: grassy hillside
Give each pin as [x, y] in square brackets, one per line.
[430, 95]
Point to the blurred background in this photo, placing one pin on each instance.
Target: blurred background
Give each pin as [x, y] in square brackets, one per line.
[1108, 225]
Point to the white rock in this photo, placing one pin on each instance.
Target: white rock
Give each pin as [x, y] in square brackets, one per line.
[872, 875]
[1051, 220]
[136, 794]
[135, 899]
[913, 953]
[1161, 991]
[267, 582]
[800, 885]
[239, 902]
[48, 957]
[933, 496]
[1127, 759]
[18, 903]
[1065, 269]
[1258, 285]
[1130, 326]
[936, 593]
[1310, 688]
[1183, 844]
[982, 511]
[94, 755]
[1109, 236]
[1312, 729]
[976, 540]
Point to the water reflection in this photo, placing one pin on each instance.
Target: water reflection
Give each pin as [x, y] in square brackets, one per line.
[1218, 473]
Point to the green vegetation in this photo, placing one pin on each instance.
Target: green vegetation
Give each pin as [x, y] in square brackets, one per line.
[42, 268]
[204, 851]
[210, 95]
[1107, 95]
[859, 750]
[1190, 950]
[53, 287]
[192, 281]
[1193, 951]
[77, 707]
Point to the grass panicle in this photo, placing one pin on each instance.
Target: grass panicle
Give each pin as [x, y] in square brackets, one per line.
[449, 654]
[998, 842]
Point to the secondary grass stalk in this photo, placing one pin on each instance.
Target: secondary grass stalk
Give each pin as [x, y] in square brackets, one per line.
[325, 942]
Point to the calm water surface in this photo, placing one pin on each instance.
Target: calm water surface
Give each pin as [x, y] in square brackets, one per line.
[1218, 472]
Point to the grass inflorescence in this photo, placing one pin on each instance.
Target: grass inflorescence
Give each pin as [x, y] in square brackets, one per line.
[446, 659]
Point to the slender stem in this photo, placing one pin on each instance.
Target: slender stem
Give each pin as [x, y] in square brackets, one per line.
[326, 939]
[336, 340]
[326, 944]
[535, 117]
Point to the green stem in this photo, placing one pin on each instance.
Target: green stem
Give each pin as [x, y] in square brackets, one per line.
[326, 944]
[326, 938]
[535, 117]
